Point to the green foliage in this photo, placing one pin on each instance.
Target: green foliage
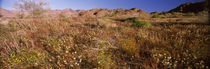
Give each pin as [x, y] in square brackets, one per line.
[138, 23]
[134, 19]
[141, 24]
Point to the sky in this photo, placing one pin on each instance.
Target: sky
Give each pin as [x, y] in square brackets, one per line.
[146, 5]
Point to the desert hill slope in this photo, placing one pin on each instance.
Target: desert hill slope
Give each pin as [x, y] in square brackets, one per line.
[191, 7]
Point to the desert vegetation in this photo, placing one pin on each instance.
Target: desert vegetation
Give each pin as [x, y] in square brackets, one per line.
[112, 41]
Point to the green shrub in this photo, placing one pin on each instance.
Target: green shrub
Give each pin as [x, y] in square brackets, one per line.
[141, 24]
[134, 19]
[138, 23]
[157, 16]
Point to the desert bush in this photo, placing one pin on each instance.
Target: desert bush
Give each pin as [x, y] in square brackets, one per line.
[134, 19]
[138, 23]
[36, 8]
[141, 24]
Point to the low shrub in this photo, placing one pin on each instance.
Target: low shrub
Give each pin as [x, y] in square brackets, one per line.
[157, 16]
[138, 23]
[134, 19]
[141, 24]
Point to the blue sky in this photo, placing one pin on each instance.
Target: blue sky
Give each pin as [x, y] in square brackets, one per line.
[146, 5]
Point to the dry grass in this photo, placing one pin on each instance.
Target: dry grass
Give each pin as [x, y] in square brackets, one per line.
[90, 42]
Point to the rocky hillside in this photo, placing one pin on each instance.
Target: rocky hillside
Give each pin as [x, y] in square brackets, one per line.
[191, 7]
[99, 12]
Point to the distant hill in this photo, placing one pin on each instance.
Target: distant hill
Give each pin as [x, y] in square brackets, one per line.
[191, 7]
[13, 13]
[6, 13]
[65, 11]
[99, 12]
